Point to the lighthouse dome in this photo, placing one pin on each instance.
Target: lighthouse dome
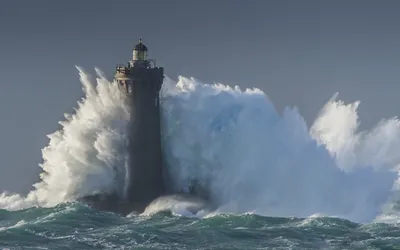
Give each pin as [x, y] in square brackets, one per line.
[140, 46]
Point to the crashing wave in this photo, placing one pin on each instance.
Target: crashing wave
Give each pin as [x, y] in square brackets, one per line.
[235, 146]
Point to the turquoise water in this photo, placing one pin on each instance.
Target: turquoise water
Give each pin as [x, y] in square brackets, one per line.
[75, 226]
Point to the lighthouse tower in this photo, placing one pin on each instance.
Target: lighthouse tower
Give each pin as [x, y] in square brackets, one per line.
[141, 81]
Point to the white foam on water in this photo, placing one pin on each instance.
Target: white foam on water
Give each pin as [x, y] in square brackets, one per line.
[235, 145]
[87, 155]
[249, 157]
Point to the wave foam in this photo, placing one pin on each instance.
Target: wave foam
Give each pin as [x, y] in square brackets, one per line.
[235, 145]
[87, 155]
[249, 157]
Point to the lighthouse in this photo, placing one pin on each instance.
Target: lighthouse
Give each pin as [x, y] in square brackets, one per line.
[141, 80]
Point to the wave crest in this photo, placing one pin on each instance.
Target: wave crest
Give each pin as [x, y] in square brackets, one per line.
[87, 155]
[235, 146]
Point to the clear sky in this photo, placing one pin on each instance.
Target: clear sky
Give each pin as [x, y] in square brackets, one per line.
[299, 52]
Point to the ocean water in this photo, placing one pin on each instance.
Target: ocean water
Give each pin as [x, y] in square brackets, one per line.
[75, 226]
[276, 182]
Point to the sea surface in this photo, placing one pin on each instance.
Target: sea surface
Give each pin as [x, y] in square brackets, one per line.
[76, 226]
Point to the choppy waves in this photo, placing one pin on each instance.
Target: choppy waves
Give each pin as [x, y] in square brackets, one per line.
[74, 226]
